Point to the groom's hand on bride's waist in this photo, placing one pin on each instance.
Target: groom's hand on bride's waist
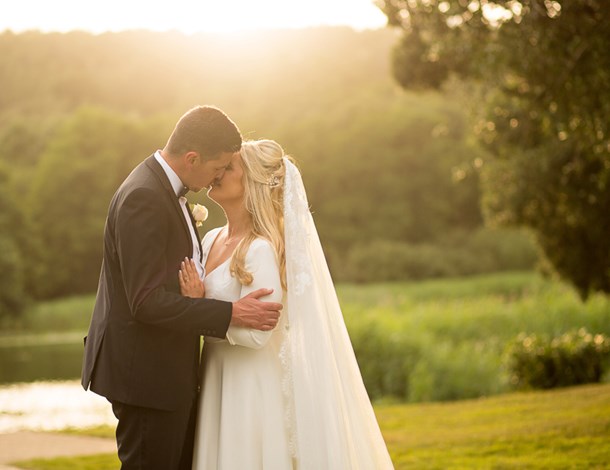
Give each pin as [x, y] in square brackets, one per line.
[250, 312]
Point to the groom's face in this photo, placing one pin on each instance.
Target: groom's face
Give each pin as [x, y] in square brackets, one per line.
[231, 187]
[203, 172]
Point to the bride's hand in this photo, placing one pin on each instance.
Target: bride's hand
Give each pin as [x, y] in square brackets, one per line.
[190, 284]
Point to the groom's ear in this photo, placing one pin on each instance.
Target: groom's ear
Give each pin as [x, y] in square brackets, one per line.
[190, 158]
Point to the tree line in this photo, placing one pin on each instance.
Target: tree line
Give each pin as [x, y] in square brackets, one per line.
[393, 176]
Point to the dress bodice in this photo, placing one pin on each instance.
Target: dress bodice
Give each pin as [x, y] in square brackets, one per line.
[241, 393]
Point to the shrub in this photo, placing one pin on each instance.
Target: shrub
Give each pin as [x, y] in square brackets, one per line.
[456, 254]
[383, 260]
[574, 358]
[508, 249]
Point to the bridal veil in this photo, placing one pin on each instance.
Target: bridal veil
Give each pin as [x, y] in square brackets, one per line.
[329, 415]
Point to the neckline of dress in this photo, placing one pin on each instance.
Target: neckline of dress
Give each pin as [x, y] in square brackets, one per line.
[208, 254]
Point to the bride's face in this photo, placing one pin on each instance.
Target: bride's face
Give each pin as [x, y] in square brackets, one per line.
[230, 187]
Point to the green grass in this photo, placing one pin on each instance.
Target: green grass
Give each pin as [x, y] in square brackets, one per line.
[89, 462]
[70, 314]
[559, 429]
[475, 307]
[74, 313]
[474, 303]
[97, 431]
[447, 339]
[436, 340]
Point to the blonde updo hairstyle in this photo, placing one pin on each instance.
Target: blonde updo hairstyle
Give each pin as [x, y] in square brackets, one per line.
[263, 180]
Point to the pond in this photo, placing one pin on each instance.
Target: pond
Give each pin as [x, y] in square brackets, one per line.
[40, 357]
[40, 385]
[49, 406]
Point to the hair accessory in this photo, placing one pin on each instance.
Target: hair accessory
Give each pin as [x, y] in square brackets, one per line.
[273, 182]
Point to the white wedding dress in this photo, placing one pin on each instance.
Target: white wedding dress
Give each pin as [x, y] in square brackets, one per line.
[291, 399]
[240, 423]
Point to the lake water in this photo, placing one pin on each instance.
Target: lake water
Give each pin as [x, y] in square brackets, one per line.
[40, 386]
[33, 358]
[50, 406]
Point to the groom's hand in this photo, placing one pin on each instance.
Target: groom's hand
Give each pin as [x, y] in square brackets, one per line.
[250, 312]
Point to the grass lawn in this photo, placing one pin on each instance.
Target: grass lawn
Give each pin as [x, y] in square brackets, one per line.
[560, 429]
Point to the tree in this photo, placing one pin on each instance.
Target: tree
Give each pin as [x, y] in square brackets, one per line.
[82, 166]
[542, 67]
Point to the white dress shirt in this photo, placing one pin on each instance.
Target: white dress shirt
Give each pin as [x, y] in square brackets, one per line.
[177, 185]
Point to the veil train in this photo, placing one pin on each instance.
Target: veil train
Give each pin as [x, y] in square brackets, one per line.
[329, 415]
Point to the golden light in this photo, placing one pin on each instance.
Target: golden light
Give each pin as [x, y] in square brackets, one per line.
[188, 16]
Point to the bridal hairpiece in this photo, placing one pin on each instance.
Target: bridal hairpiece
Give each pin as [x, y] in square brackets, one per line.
[273, 182]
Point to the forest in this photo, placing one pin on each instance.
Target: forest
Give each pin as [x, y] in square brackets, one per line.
[393, 175]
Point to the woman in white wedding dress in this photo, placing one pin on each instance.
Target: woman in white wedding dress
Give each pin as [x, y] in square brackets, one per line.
[291, 398]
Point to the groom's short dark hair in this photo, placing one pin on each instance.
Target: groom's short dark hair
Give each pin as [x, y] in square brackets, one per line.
[205, 130]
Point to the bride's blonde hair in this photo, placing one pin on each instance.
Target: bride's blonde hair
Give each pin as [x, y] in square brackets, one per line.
[263, 180]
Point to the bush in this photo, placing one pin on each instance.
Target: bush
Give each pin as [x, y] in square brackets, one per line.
[383, 260]
[508, 249]
[574, 358]
[457, 254]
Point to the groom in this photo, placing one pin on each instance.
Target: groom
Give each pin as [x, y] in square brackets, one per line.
[142, 349]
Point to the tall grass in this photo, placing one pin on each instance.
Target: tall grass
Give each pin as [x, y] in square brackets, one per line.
[445, 340]
[69, 314]
[418, 341]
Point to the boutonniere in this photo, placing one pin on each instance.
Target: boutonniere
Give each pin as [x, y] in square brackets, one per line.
[200, 214]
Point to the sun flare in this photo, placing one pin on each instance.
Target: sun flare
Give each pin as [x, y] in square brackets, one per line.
[188, 16]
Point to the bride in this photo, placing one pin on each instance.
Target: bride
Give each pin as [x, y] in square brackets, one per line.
[291, 398]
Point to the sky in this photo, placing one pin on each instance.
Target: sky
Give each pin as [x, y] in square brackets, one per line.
[187, 16]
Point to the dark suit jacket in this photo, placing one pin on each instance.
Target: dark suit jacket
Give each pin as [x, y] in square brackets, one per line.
[143, 342]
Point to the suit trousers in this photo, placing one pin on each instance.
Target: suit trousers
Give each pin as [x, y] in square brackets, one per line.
[150, 439]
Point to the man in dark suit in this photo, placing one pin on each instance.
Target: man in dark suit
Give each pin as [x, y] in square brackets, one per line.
[142, 349]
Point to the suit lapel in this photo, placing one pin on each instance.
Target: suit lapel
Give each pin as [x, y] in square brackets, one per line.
[156, 168]
[194, 224]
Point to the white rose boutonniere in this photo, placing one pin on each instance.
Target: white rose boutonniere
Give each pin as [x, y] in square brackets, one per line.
[200, 214]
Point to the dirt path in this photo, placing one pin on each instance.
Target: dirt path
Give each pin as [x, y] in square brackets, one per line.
[27, 445]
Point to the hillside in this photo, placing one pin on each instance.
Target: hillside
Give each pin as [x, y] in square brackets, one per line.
[392, 176]
[147, 72]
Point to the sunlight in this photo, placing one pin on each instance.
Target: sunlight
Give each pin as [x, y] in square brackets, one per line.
[51, 406]
[189, 16]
